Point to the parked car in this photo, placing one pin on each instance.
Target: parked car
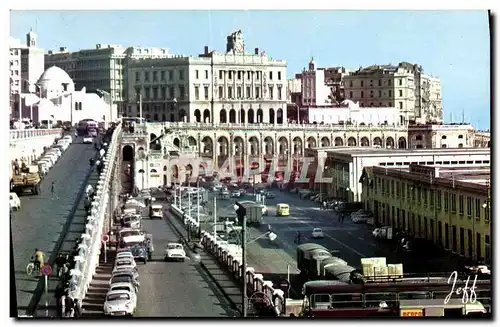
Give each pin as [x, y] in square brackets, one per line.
[121, 261]
[14, 201]
[175, 251]
[131, 221]
[361, 219]
[128, 287]
[124, 254]
[119, 303]
[140, 253]
[317, 233]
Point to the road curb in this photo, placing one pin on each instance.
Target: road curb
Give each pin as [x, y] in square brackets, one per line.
[202, 265]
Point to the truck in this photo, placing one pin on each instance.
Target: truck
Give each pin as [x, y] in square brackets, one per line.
[27, 180]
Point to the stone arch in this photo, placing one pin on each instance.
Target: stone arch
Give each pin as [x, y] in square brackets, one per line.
[364, 141]
[206, 116]
[232, 116]
[260, 116]
[175, 171]
[153, 171]
[268, 146]
[389, 142]
[325, 142]
[141, 171]
[223, 143]
[208, 145]
[177, 142]
[402, 142]
[253, 143]
[338, 141]
[128, 153]
[311, 142]
[182, 115]
[271, 116]
[223, 116]
[189, 172]
[197, 115]
[377, 141]
[239, 146]
[242, 115]
[279, 116]
[351, 141]
[251, 117]
[192, 141]
[297, 145]
[283, 145]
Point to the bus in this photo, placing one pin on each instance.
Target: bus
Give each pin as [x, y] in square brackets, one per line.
[331, 298]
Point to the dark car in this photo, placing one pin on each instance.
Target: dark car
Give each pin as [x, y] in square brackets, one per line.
[140, 253]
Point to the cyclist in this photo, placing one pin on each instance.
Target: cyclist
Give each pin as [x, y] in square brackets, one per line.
[38, 257]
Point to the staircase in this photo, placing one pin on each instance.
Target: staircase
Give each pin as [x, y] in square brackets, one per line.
[93, 303]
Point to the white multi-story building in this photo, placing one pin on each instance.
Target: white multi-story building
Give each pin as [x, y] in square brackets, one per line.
[417, 96]
[103, 68]
[26, 66]
[314, 90]
[356, 115]
[230, 87]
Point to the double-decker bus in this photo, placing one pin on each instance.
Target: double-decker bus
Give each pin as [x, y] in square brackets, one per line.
[330, 298]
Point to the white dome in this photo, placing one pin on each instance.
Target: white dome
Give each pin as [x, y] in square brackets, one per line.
[53, 80]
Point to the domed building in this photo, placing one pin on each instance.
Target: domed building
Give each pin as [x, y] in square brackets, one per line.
[58, 101]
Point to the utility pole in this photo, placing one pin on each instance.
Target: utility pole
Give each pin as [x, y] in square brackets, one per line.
[244, 264]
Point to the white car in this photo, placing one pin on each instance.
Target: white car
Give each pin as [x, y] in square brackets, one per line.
[125, 262]
[124, 267]
[127, 287]
[14, 201]
[175, 251]
[88, 140]
[361, 219]
[119, 303]
[317, 233]
[124, 255]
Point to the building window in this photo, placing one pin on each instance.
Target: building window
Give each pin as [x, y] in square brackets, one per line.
[400, 105]
[460, 136]
[350, 84]
[446, 202]
[230, 74]
[362, 83]
[438, 200]
[162, 75]
[400, 93]
[371, 94]
[279, 76]
[379, 94]
[390, 93]
[137, 76]
[389, 83]
[239, 74]
[478, 208]
[390, 104]
[206, 74]
[205, 91]
[279, 92]
[170, 75]
[196, 73]
[379, 82]
[171, 93]
[443, 137]
[453, 202]
[146, 76]
[400, 81]
[248, 92]
[257, 92]
[461, 204]
[431, 198]
[270, 76]
[221, 92]
[469, 206]
[181, 74]
[196, 92]
[155, 93]
[238, 92]
[155, 76]
[271, 92]
[350, 94]
[182, 93]
[221, 74]
[229, 92]
[362, 94]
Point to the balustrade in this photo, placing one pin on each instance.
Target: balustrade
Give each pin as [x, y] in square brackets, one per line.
[20, 134]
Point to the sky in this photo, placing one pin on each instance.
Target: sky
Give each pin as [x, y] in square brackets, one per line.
[452, 45]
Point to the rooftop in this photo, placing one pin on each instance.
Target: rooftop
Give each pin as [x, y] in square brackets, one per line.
[369, 151]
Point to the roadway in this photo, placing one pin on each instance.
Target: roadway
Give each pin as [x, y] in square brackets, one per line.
[353, 241]
[41, 219]
[176, 289]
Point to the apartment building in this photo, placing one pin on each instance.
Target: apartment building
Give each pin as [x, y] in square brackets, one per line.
[404, 86]
[102, 68]
[422, 136]
[449, 205]
[230, 87]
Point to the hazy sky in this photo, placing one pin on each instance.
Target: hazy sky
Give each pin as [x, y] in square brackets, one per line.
[453, 45]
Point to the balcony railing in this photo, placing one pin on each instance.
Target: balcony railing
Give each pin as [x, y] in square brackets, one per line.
[20, 134]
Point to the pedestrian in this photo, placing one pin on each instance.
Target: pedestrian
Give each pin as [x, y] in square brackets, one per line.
[77, 309]
[52, 191]
[324, 205]
[69, 306]
[63, 304]
[59, 293]
[16, 167]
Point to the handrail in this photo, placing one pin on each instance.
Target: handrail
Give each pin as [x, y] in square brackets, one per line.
[230, 257]
[89, 252]
[20, 134]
